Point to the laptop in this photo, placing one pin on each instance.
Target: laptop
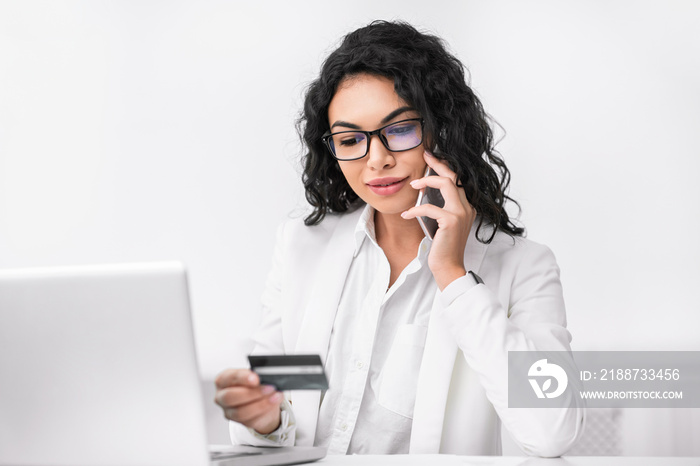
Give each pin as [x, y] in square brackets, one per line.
[98, 367]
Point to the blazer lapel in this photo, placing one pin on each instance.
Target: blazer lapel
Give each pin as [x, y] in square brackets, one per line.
[319, 316]
[437, 366]
[433, 383]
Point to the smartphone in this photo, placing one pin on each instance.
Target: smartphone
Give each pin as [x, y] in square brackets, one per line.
[433, 196]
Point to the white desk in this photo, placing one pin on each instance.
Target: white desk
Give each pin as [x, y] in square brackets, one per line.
[451, 460]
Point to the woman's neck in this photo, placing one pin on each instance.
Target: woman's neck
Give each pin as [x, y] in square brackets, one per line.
[392, 229]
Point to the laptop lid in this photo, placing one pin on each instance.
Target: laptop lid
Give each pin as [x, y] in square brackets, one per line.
[97, 366]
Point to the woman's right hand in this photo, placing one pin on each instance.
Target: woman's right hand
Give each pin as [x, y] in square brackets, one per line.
[244, 400]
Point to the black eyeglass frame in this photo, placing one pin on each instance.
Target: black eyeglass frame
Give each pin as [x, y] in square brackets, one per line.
[328, 135]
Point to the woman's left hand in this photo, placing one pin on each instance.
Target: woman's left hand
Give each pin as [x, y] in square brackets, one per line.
[455, 219]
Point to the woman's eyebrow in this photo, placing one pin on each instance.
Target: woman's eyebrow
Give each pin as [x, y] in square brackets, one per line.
[395, 113]
[345, 124]
[385, 120]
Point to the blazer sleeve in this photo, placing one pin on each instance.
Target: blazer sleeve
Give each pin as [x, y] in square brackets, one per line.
[268, 340]
[535, 320]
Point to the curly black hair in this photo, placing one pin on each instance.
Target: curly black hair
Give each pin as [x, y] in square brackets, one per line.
[432, 81]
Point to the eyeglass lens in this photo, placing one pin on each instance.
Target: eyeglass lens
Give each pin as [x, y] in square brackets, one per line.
[401, 136]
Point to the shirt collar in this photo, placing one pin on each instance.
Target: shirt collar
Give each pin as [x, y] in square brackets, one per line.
[424, 249]
[365, 229]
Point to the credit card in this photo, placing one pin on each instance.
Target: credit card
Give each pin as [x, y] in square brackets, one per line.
[290, 372]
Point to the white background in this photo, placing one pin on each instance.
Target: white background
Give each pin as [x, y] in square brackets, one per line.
[138, 131]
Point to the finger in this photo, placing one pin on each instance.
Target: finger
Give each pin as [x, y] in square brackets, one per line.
[440, 214]
[232, 377]
[238, 396]
[463, 199]
[446, 186]
[425, 210]
[439, 166]
[432, 181]
[247, 413]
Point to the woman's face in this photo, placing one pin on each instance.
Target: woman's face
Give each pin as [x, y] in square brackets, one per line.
[382, 177]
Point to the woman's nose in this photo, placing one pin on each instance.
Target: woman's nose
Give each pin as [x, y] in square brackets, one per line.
[378, 156]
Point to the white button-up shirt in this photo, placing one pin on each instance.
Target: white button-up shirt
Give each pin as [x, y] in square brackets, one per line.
[375, 350]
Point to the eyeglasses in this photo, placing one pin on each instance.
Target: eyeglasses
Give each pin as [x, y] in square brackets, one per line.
[397, 137]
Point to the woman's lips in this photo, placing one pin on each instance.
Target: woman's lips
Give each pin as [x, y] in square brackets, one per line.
[386, 186]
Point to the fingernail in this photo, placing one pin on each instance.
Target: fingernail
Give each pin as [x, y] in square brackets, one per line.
[252, 378]
[267, 389]
[276, 398]
[404, 214]
[413, 183]
[429, 154]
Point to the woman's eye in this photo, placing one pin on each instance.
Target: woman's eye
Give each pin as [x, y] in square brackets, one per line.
[401, 130]
[349, 141]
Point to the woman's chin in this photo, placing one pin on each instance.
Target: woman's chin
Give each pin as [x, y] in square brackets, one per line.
[391, 208]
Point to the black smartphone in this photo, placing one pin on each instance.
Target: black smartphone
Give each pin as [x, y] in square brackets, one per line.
[433, 196]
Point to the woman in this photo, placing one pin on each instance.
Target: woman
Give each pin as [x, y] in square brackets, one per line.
[414, 333]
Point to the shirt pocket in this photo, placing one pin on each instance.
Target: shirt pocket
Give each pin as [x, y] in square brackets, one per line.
[399, 378]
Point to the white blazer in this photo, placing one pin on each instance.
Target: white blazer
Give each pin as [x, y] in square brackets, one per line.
[462, 392]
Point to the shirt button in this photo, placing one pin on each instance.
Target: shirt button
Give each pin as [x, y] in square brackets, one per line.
[360, 364]
[344, 427]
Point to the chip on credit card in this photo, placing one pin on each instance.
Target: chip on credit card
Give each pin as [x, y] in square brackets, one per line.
[290, 372]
